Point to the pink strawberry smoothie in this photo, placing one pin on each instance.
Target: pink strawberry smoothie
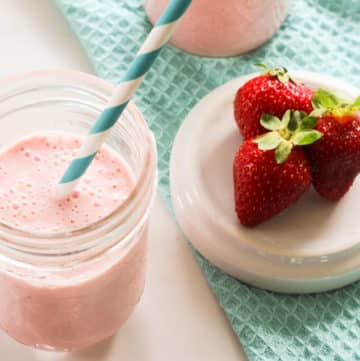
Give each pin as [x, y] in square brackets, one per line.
[79, 307]
[29, 171]
[225, 27]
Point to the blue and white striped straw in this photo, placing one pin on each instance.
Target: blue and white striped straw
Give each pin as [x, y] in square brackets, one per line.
[158, 37]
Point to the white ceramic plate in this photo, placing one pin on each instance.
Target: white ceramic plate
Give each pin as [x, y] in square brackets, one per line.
[311, 247]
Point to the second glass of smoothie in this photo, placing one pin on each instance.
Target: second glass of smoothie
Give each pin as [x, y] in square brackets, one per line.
[224, 27]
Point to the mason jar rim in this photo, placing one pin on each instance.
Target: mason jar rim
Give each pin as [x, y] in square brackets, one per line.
[25, 239]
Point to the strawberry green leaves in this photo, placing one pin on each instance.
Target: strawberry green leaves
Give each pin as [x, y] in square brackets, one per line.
[357, 103]
[270, 122]
[325, 99]
[306, 121]
[294, 129]
[280, 72]
[326, 102]
[296, 118]
[283, 151]
[268, 141]
[306, 137]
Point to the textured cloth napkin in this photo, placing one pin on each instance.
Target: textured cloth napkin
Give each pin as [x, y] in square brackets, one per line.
[318, 35]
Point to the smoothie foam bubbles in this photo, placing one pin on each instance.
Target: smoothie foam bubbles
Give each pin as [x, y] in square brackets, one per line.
[29, 171]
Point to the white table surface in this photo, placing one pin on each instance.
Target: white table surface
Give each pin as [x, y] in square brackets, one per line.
[178, 317]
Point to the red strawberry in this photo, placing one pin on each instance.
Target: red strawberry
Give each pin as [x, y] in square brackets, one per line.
[273, 92]
[335, 158]
[271, 172]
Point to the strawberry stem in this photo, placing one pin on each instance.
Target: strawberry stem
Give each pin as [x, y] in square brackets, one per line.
[281, 73]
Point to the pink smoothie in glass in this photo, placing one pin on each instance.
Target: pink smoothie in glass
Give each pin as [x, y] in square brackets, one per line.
[224, 27]
[75, 310]
[29, 172]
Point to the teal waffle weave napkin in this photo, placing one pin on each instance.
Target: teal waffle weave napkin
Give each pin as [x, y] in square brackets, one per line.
[318, 35]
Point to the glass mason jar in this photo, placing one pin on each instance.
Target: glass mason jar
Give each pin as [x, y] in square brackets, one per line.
[67, 291]
[224, 27]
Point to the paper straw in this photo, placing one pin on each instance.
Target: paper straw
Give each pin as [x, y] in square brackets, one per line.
[158, 37]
